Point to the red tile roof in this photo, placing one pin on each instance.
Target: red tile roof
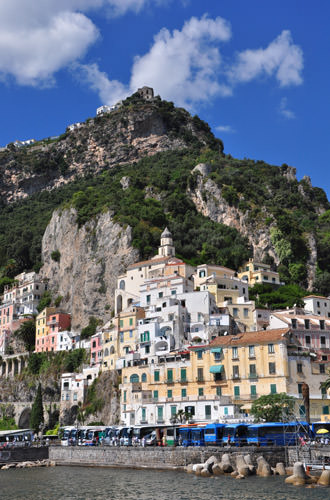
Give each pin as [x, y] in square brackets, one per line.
[250, 337]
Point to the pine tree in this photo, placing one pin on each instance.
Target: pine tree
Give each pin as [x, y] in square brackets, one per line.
[37, 412]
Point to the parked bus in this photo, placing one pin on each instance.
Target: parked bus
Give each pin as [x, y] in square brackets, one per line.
[66, 434]
[16, 438]
[93, 436]
[235, 434]
[277, 433]
[213, 434]
[197, 436]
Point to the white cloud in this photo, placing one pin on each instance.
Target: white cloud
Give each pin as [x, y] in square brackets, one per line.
[225, 128]
[281, 58]
[40, 37]
[284, 111]
[110, 91]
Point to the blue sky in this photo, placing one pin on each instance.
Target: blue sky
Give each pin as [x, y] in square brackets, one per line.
[257, 71]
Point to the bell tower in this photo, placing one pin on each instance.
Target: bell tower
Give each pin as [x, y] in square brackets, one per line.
[166, 248]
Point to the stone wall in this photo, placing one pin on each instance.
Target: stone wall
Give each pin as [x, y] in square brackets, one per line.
[23, 454]
[154, 458]
[306, 454]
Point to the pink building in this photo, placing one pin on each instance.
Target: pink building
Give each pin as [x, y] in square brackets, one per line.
[96, 349]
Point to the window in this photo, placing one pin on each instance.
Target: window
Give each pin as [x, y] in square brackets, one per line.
[131, 321]
[169, 393]
[302, 411]
[272, 368]
[156, 375]
[300, 389]
[246, 312]
[308, 339]
[125, 396]
[217, 356]
[200, 391]
[143, 414]
[273, 388]
[235, 312]
[325, 410]
[323, 341]
[253, 371]
[145, 336]
[235, 371]
[236, 391]
[200, 374]
[306, 321]
[156, 395]
[322, 324]
[148, 298]
[121, 323]
[173, 292]
[323, 391]
[143, 377]
[322, 368]
[251, 351]
[202, 274]
[253, 390]
[299, 368]
[159, 413]
[218, 391]
[235, 352]
[199, 354]
[183, 393]
[183, 375]
[170, 375]
[207, 412]
[173, 411]
[160, 295]
[294, 323]
[271, 349]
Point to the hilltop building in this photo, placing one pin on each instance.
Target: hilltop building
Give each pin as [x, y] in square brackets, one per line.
[258, 273]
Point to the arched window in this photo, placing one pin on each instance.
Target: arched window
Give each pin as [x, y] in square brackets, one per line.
[134, 378]
[106, 352]
[143, 377]
[119, 303]
[112, 350]
[122, 285]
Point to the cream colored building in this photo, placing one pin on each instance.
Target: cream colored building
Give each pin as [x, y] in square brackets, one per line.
[258, 273]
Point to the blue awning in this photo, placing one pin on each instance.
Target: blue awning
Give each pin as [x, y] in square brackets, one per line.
[216, 369]
[216, 349]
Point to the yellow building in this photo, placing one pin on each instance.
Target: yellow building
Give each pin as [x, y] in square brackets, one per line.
[120, 339]
[211, 382]
[42, 330]
[257, 272]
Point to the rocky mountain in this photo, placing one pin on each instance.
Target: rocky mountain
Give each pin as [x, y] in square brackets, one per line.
[136, 130]
[89, 203]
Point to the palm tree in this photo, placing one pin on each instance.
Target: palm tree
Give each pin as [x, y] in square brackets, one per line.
[326, 384]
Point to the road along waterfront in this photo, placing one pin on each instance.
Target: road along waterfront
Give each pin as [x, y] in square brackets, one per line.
[77, 483]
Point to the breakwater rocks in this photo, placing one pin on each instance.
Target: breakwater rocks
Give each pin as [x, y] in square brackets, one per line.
[241, 466]
[28, 464]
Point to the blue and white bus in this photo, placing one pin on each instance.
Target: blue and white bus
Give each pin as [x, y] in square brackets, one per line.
[277, 433]
[213, 434]
[235, 434]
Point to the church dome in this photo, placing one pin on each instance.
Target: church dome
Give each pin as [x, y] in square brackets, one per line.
[166, 233]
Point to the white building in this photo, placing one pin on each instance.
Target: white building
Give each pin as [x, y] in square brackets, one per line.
[103, 109]
[317, 304]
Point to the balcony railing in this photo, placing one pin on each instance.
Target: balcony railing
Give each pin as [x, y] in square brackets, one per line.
[253, 375]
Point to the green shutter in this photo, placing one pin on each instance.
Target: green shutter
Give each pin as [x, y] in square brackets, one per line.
[156, 375]
[236, 390]
[273, 388]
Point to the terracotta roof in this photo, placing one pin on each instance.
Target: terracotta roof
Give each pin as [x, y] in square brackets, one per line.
[250, 337]
[315, 297]
[285, 316]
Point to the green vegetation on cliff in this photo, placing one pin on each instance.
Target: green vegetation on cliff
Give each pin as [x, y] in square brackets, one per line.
[157, 194]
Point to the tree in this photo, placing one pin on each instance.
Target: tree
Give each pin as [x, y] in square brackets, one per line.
[45, 301]
[272, 408]
[181, 416]
[326, 384]
[27, 333]
[37, 412]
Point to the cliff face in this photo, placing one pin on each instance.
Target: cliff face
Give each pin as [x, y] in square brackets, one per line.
[208, 200]
[122, 136]
[91, 258]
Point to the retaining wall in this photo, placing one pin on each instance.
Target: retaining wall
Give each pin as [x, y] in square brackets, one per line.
[23, 454]
[153, 457]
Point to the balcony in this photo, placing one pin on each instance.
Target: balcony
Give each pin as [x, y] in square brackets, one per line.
[169, 399]
[201, 398]
[183, 380]
[253, 376]
[200, 379]
[236, 376]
